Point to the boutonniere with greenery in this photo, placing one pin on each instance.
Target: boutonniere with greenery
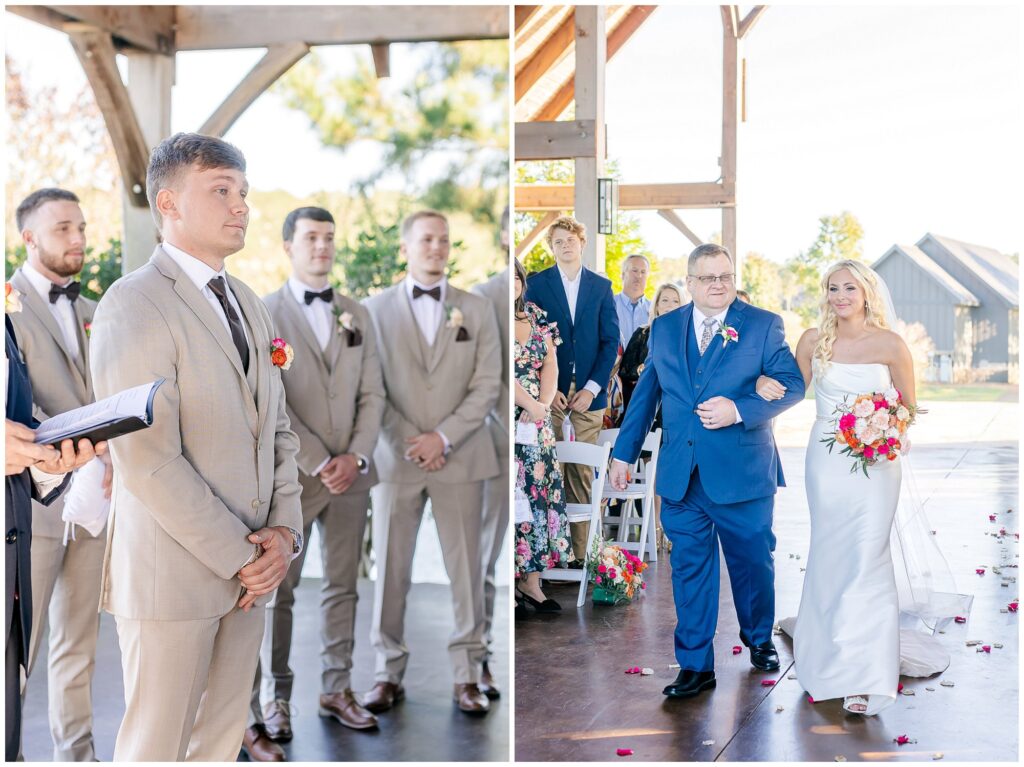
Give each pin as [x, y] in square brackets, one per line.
[87, 327]
[281, 353]
[455, 320]
[728, 333]
[12, 299]
[347, 324]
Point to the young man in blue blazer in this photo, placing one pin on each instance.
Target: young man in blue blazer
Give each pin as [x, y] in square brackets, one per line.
[580, 302]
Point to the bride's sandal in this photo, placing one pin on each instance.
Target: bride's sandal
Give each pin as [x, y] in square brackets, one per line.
[856, 704]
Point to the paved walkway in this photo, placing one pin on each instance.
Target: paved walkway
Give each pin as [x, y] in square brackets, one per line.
[573, 701]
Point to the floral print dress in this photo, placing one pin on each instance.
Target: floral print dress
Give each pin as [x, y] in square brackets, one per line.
[543, 543]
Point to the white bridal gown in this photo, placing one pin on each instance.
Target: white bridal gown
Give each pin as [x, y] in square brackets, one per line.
[847, 632]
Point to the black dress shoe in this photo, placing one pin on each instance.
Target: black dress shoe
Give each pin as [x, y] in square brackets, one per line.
[763, 657]
[690, 683]
[547, 606]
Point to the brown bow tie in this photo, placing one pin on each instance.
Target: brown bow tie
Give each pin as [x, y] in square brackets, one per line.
[434, 292]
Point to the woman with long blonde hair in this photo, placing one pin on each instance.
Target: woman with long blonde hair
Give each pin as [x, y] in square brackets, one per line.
[847, 632]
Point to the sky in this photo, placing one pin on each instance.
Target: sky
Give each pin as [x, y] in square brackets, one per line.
[909, 117]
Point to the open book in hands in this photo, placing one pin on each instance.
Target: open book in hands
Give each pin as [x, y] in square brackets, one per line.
[121, 413]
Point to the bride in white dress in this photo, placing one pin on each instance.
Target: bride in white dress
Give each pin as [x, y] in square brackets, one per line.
[847, 637]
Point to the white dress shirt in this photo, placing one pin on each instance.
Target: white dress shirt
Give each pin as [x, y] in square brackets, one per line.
[429, 315]
[63, 310]
[698, 329]
[200, 274]
[428, 312]
[572, 294]
[318, 314]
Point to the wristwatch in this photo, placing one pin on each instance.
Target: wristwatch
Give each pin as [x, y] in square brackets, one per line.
[296, 540]
[361, 463]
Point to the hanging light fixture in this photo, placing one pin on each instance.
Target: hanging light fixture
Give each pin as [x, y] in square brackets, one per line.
[607, 206]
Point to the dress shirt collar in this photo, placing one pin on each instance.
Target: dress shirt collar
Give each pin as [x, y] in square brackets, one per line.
[299, 288]
[699, 317]
[443, 282]
[565, 277]
[39, 282]
[197, 271]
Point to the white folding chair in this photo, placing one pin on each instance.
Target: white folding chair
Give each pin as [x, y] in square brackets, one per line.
[640, 488]
[594, 457]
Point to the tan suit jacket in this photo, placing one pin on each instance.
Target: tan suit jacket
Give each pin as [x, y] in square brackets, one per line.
[218, 461]
[335, 397]
[59, 383]
[496, 291]
[449, 387]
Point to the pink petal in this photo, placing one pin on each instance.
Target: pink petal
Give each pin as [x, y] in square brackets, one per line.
[736, 650]
[899, 688]
[901, 740]
[767, 682]
[623, 752]
[960, 619]
[810, 699]
[986, 648]
[633, 670]
[980, 571]
[991, 517]
[1012, 607]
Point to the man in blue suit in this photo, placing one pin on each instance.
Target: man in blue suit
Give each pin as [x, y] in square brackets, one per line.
[719, 467]
[31, 471]
[580, 303]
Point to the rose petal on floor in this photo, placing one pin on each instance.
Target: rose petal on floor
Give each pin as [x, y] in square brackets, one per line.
[736, 649]
[767, 682]
[623, 752]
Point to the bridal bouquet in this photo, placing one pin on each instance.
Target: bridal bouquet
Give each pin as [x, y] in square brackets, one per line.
[616, 574]
[872, 428]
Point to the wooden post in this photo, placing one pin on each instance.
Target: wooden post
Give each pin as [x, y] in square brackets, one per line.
[730, 110]
[150, 77]
[591, 55]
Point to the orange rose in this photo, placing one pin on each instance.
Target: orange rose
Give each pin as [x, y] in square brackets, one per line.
[278, 357]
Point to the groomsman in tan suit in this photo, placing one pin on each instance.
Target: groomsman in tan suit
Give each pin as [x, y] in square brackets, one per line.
[335, 398]
[53, 334]
[440, 356]
[495, 522]
[205, 517]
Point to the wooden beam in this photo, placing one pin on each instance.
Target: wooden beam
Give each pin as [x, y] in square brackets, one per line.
[673, 218]
[381, 59]
[548, 53]
[535, 197]
[149, 27]
[96, 53]
[526, 244]
[731, 20]
[750, 20]
[523, 15]
[591, 50]
[562, 98]
[204, 27]
[730, 124]
[556, 140]
[277, 60]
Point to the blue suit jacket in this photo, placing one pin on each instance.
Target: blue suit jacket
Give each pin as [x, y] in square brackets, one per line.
[591, 344]
[737, 463]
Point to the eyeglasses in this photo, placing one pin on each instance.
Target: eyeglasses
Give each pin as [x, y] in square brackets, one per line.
[710, 279]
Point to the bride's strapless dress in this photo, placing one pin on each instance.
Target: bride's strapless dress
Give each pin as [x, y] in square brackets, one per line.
[847, 638]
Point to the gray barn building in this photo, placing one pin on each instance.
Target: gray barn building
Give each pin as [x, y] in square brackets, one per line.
[966, 296]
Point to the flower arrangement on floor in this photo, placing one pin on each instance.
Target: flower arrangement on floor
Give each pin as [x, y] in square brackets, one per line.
[872, 428]
[616, 574]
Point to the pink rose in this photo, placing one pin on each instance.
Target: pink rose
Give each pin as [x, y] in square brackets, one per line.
[602, 569]
[847, 421]
[869, 452]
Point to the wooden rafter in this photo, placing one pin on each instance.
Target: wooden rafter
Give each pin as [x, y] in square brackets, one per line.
[526, 244]
[631, 196]
[731, 20]
[673, 218]
[95, 50]
[523, 15]
[556, 140]
[277, 60]
[149, 27]
[617, 38]
[750, 19]
[552, 50]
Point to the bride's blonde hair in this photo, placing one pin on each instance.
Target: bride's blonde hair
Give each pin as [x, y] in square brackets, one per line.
[828, 322]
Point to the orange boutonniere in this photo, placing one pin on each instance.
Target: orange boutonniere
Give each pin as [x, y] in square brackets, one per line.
[12, 299]
[281, 353]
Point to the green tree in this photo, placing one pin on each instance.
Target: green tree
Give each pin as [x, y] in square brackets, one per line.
[99, 269]
[839, 237]
[762, 279]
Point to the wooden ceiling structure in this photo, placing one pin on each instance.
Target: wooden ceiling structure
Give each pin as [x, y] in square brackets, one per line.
[560, 57]
[138, 113]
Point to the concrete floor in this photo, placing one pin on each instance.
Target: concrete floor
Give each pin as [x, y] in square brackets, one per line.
[574, 702]
[425, 727]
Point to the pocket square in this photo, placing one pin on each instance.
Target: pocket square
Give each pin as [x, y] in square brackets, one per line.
[355, 338]
[462, 335]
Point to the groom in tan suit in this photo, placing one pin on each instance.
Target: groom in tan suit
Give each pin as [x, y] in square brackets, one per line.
[205, 516]
[335, 401]
[440, 356]
[53, 334]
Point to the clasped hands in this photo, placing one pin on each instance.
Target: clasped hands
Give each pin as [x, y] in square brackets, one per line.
[266, 572]
[22, 452]
[426, 451]
[339, 473]
[580, 402]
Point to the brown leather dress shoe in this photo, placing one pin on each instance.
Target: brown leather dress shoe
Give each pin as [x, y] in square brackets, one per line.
[259, 747]
[383, 696]
[486, 684]
[277, 720]
[343, 707]
[471, 700]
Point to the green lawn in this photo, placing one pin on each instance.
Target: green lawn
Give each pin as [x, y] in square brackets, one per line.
[930, 392]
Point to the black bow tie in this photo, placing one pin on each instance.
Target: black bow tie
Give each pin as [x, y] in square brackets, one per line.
[434, 292]
[326, 294]
[71, 290]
